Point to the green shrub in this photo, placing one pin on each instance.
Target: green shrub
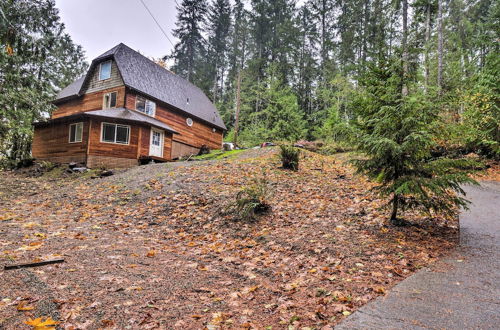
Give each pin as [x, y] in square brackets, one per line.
[251, 201]
[290, 157]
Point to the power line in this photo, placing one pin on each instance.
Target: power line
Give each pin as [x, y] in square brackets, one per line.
[152, 16]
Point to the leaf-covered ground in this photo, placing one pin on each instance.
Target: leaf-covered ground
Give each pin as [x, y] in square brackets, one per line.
[149, 248]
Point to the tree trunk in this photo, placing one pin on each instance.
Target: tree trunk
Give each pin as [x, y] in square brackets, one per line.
[440, 46]
[214, 95]
[237, 113]
[323, 37]
[427, 39]
[404, 43]
[366, 20]
[395, 205]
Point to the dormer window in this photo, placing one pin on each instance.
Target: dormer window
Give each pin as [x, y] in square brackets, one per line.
[145, 106]
[105, 70]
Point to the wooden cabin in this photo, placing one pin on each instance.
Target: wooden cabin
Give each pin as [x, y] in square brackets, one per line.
[125, 110]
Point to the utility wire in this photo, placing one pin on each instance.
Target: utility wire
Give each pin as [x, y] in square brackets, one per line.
[152, 16]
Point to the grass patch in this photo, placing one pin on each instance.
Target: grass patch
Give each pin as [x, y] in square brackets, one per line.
[218, 154]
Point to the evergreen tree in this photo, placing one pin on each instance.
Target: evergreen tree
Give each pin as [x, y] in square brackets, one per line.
[37, 58]
[285, 120]
[481, 123]
[189, 53]
[306, 60]
[219, 24]
[396, 135]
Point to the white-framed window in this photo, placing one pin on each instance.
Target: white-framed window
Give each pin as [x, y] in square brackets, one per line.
[75, 132]
[145, 106]
[189, 122]
[105, 70]
[109, 100]
[115, 133]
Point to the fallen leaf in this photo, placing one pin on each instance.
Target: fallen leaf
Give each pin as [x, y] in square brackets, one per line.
[22, 307]
[108, 323]
[217, 318]
[38, 324]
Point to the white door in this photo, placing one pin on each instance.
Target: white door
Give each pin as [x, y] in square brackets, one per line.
[156, 145]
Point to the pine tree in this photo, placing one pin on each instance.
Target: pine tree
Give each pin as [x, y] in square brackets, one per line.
[396, 136]
[219, 24]
[189, 53]
[282, 114]
[307, 64]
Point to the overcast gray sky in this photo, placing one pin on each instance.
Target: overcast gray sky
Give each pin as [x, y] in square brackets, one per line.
[99, 25]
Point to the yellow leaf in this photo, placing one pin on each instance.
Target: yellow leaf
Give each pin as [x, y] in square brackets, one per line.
[217, 318]
[9, 50]
[38, 324]
[346, 313]
[151, 254]
[22, 307]
[251, 289]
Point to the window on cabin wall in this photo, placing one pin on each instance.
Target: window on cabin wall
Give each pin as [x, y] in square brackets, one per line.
[105, 70]
[145, 106]
[115, 133]
[75, 132]
[109, 100]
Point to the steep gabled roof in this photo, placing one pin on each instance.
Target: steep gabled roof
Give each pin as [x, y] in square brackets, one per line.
[143, 75]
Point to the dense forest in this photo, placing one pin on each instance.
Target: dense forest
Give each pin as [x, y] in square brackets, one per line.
[283, 70]
[37, 59]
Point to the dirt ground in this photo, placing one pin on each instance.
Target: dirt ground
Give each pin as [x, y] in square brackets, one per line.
[150, 248]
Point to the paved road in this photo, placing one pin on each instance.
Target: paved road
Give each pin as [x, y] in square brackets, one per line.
[464, 291]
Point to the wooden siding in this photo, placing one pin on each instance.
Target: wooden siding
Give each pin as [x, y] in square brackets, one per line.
[138, 142]
[98, 148]
[51, 143]
[167, 147]
[196, 136]
[94, 84]
[180, 149]
[94, 161]
[145, 141]
[88, 102]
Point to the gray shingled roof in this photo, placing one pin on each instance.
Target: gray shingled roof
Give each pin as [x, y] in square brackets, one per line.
[130, 115]
[71, 90]
[141, 74]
